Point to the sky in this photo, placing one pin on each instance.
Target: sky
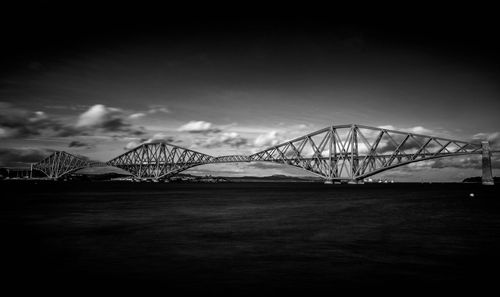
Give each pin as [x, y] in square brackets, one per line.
[234, 85]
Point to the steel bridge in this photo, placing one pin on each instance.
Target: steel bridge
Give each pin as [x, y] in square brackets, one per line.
[61, 163]
[336, 153]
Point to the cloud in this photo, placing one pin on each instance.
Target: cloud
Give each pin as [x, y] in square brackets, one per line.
[231, 139]
[458, 162]
[156, 138]
[160, 137]
[493, 138]
[418, 130]
[38, 116]
[77, 143]
[198, 127]
[465, 162]
[136, 115]
[85, 158]
[158, 109]
[266, 165]
[410, 145]
[95, 115]
[22, 157]
[132, 145]
[100, 116]
[153, 109]
[269, 139]
[7, 132]
[414, 130]
[18, 123]
[67, 131]
[103, 119]
[3, 133]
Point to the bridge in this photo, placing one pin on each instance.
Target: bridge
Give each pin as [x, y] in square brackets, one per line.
[336, 153]
[61, 163]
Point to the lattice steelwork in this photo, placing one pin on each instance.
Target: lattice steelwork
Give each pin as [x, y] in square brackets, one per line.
[345, 152]
[159, 160]
[354, 152]
[60, 163]
[231, 159]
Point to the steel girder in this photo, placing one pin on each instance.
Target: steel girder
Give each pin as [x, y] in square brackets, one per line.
[159, 160]
[354, 152]
[343, 152]
[231, 159]
[60, 163]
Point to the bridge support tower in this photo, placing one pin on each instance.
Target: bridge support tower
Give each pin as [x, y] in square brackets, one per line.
[487, 178]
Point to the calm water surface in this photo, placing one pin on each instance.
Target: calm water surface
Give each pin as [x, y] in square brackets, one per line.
[251, 236]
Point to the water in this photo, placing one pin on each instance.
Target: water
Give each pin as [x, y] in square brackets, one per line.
[250, 237]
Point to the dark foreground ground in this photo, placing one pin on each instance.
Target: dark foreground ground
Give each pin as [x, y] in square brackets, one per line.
[249, 237]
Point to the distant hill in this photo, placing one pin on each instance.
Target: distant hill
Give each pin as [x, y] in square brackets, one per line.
[477, 179]
[106, 173]
[271, 178]
[99, 173]
[97, 176]
[102, 170]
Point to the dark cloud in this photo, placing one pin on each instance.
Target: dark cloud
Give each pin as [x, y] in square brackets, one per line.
[77, 143]
[137, 131]
[115, 125]
[67, 131]
[465, 162]
[492, 138]
[105, 119]
[236, 142]
[458, 162]
[22, 157]
[85, 158]
[199, 127]
[16, 122]
[388, 146]
[230, 139]
[266, 165]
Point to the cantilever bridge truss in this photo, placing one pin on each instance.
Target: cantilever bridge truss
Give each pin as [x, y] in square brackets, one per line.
[335, 153]
[159, 160]
[61, 163]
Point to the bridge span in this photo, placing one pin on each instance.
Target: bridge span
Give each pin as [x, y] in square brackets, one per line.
[336, 153]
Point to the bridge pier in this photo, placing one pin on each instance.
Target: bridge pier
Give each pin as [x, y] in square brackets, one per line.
[338, 182]
[355, 182]
[487, 177]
